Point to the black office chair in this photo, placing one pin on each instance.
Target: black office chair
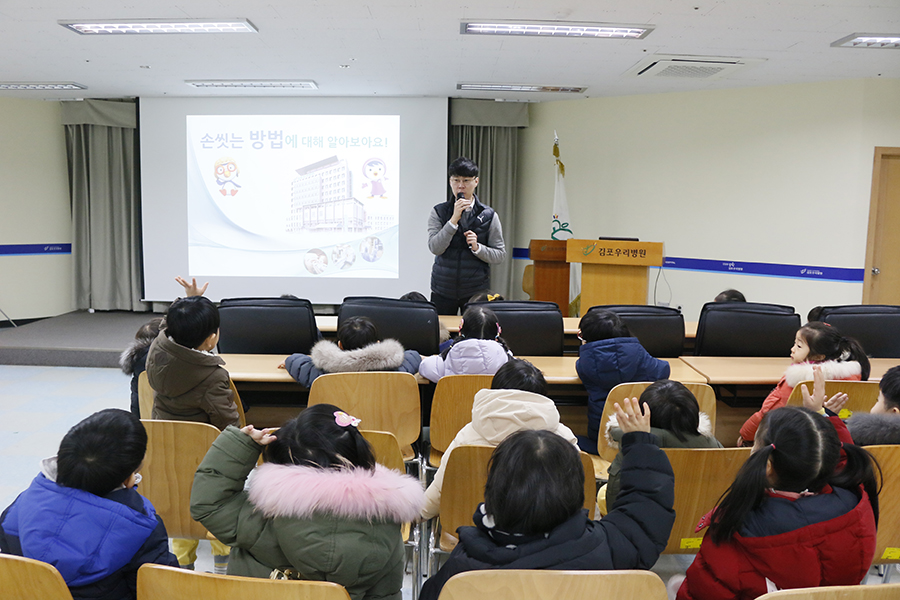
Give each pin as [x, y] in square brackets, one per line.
[659, 329]
[266, 326]
[530, 327]
[875, 326]
[746, 329]
[413, 323]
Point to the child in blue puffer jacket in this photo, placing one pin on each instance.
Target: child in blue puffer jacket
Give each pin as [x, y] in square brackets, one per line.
[608, 356]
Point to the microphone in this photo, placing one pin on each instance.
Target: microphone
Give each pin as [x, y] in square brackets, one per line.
[460, 195]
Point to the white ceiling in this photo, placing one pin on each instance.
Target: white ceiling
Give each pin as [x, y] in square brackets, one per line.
[414, 48]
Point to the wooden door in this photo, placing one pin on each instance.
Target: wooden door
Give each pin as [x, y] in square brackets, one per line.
[882, 278]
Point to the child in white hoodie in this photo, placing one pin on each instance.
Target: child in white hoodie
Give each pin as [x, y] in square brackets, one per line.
[478, 350]
[515, 402]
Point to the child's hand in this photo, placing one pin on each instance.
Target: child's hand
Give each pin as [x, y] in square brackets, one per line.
[262, 437]
[631, 419]
[281, 366]
[191, 289]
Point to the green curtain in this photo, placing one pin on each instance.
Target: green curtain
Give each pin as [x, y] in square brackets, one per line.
[104, 189]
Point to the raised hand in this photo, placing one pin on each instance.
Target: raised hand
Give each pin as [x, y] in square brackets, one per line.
[630, 417]
[191, 289]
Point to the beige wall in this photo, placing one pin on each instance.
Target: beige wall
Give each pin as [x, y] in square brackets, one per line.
[773, 174]
[34, 204]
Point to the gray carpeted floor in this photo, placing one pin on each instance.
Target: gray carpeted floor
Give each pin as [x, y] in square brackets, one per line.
[76, 339]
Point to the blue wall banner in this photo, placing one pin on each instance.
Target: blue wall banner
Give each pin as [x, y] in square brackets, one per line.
[6, 249]
[766, 269]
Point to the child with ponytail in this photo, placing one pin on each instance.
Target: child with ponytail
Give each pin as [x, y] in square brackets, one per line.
[319, 508]
[477, 350]
[816, 343]
[802, 511]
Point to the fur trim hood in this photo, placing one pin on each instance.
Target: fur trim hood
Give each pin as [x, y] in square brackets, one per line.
[867, 429]
[833, 369]
[612, 438]
[386, 355]
[300, 492]
[135, 351]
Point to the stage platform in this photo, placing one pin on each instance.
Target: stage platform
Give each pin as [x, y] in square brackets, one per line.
[76, 339]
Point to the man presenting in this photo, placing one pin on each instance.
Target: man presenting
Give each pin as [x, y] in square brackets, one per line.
[466, 238]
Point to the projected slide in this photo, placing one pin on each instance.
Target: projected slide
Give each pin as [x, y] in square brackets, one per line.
[293, 195]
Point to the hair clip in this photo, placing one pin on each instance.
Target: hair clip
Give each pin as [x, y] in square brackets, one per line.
[492, 297]
[343, 419]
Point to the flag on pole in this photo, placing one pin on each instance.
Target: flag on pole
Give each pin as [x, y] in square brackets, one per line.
[560, 227]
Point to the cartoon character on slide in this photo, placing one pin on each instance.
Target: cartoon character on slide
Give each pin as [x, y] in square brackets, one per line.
[226, 172]
[374, 169]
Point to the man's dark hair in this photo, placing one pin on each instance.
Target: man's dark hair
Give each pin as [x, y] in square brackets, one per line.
[189, 321]
[890, 387]
[463, 167]
[519, 374]
[99, 454]
[357, 332]
[535, 483]
[598, 324]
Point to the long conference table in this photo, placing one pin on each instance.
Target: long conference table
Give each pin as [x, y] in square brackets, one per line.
[560, 370]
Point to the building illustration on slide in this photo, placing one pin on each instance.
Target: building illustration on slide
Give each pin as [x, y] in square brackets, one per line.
[322, 199]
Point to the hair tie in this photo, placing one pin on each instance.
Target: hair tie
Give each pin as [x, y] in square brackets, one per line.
[773, 447]
[343, 419]
[498, 331]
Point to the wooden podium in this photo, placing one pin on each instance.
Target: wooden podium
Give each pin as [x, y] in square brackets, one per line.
[551, 272]
[613, 272]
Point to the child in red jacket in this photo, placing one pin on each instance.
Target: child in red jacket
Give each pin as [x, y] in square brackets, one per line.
[816, 343]
[801, 512]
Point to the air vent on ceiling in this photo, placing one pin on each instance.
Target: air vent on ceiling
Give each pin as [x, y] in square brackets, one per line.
[690, 67]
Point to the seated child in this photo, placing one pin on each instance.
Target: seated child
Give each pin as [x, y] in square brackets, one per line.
[533, 516]
[675, 420]
[319, 505]
[882, 424]
[358, 349]
[133, 360]
[83, 515]
[816, 343]
[730, 296]
[608, 356]
[516, 401]
[186, 376]
[802, 512]
[477, 350]
[443, 332]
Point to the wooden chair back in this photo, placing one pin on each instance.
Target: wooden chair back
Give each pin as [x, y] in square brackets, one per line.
[511, 584]
[463, 489]
[705, 395]
[383, 400]
[451, 410]
[889, 591]
[701, 477]
[386, 449]
[26, 579]
[145, 396]
[174, 451]
[886, 549]
[156, 582]
[862, 394]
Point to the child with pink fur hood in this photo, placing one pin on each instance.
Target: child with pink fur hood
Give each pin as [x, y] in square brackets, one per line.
[319, 506]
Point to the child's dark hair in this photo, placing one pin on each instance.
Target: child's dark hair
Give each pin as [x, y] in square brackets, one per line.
[598, 324]
[672, 407]
[462, 167]
[890, 387]
[815, 313]
[149, 330]
[535, 483]
[805, 450]
[414, 297]
[478, 323]
[519, 374]
[189, 321]
[730, 296]
[485, 296]
[100, 453]
[357, 332]
[826, 343]
[315, 439]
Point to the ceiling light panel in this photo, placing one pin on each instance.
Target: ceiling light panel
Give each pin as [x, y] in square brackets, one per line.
[514, 87]
[869, 40]
[254, 83]
[50, 85]
[556, 29]
[159, 26]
